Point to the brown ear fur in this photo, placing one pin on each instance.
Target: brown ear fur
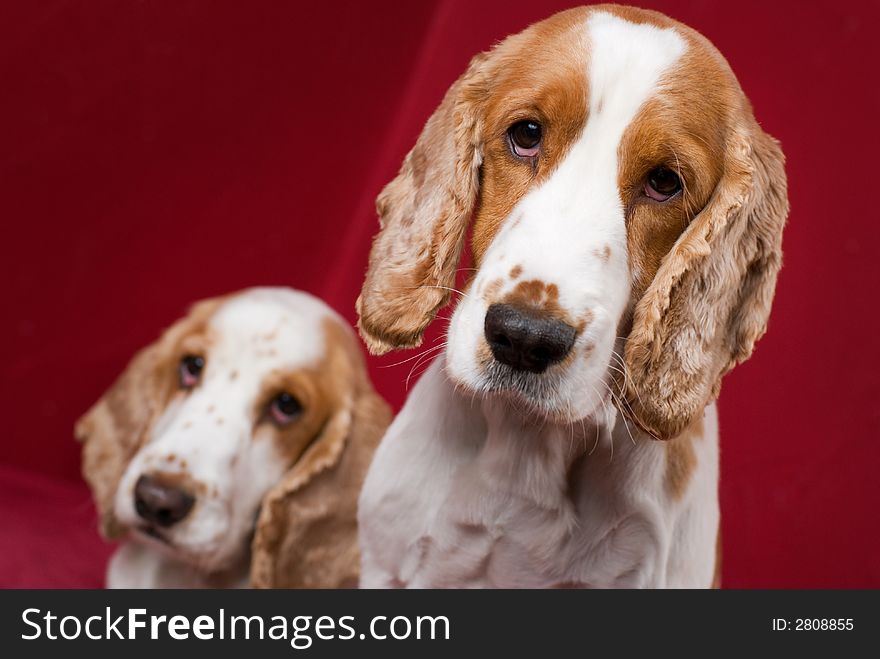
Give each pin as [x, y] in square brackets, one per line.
[424, 214]
[117, 425]
[113, 429]
[710, 300]
[306, 534]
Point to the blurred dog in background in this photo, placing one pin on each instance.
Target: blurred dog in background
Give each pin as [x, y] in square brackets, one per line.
[230, 453]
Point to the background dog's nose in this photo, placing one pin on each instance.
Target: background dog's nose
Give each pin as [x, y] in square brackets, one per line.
[526, 340]
[161, 504]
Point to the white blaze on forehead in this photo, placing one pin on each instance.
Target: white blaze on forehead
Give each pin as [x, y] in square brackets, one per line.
[265, 329]
[626, 61]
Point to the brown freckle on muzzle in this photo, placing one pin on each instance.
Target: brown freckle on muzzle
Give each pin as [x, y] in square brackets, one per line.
[491, 289]
[536, 294]
[603, 254]
[233, 376]
[515, 271]
[219, 420]
[585, 319]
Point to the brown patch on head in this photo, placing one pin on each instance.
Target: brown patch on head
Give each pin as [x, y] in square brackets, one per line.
[293, 438]
[684, 128]
[529, 80]
[119, 423]
[681, 459]
[306, 534]
[319, 389]
[515, 271]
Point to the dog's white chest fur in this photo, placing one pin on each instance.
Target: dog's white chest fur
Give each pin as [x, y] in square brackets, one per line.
[467, 493]
[136, 566]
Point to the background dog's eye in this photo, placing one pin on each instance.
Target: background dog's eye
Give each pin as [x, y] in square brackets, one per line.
[190, 371]
[662, 183]
[284, 408]
[525, 138]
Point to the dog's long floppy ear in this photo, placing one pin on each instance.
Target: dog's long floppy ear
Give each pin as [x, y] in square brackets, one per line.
[710, 300]
[423, 214]
[306, 533]
[114, 428]
[117, 425]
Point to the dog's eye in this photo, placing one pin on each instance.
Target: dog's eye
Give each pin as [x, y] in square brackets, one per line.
[525, 138]
[284, 408]
[662, 184]
[190, 371]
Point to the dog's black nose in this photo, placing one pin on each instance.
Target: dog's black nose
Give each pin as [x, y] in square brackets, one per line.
[526, 340]
[159, 503]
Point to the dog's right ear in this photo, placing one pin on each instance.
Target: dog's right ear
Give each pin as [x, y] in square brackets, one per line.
[113, 429]
[424, 214]
[118, 424]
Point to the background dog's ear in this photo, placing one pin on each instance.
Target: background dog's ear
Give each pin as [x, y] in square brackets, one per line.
[306, 533]
[710, 300]
[424, 214]
[114, 428]
[117, 425]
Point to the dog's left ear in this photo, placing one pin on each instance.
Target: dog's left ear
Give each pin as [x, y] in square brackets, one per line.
[306, 533]
[710, 300]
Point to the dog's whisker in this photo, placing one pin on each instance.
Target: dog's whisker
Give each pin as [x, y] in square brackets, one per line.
[439, 346]
[620, 405]
[425, 356]
[627, 380]
[446, 288]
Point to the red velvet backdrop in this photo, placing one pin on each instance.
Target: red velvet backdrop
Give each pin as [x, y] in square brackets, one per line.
[155, 153]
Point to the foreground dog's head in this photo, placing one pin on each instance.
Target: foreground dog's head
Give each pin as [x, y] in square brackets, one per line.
[251, 417]
[622, 194]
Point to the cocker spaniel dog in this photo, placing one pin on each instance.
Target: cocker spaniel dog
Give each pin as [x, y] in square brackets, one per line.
[232, 450]
[626, 212]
